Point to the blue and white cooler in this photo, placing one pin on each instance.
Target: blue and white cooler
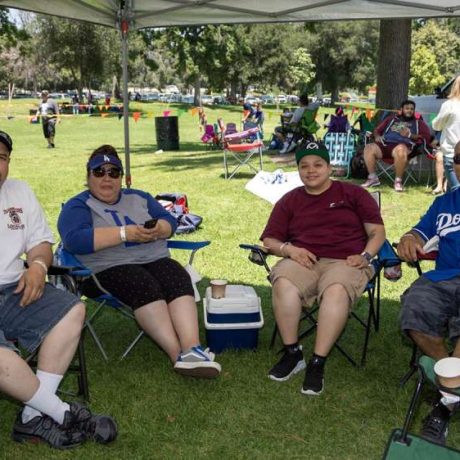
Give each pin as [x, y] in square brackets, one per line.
[233, 322]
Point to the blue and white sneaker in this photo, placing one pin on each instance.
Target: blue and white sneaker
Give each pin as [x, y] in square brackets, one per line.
[196, 362]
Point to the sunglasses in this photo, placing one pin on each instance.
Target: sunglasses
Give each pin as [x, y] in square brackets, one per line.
[114, 173]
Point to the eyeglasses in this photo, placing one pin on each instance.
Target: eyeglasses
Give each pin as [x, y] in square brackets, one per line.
[114, 173]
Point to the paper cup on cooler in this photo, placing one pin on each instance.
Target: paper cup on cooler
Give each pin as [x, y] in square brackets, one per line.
[218, 288]
[448, 372]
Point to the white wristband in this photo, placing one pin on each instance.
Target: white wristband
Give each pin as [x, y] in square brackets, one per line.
[123, 233]
[408, 234]
[41, 263]
[282, 247]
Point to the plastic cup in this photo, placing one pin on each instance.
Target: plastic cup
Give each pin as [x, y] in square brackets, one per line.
[448, 372]
[218, 288]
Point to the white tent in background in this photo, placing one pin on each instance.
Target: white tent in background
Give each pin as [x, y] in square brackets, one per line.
[137, 14]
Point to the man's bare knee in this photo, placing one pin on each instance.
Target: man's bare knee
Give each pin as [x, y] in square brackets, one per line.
[418, 336]
[400, 152]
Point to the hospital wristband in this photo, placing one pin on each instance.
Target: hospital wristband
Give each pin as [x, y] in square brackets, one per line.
[123, 233]
[41, 263]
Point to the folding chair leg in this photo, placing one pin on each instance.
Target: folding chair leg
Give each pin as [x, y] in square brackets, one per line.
[411, 410]
[91, 330]
[371, 318]
[412, 366]
[133, 344]
[83, 387]
[274, 334]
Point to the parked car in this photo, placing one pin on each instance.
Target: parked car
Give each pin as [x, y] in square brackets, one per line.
[281, 98]
[219, 100]
[187, 98]
[250, 100]
[267, 99]
[206, 99]
[292, 99]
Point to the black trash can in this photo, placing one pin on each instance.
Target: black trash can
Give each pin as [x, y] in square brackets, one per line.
[167, 131]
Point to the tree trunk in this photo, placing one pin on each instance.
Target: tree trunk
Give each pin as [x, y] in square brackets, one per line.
[334, 95]
[393, 67]
[197, 92]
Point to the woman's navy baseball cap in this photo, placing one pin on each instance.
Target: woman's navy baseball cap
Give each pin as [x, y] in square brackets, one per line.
[102, 159]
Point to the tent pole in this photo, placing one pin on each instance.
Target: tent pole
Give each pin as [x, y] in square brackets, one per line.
[124, 51]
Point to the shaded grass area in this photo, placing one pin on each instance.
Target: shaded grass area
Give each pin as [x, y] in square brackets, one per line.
[242, 414]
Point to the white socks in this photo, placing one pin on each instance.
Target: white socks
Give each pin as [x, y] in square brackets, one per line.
[372, 176]
[449, 399]
[45, 399]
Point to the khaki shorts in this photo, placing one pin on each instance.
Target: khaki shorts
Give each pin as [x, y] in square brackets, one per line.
[312, 282]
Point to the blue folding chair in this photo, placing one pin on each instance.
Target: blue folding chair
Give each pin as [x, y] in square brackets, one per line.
[77, 273]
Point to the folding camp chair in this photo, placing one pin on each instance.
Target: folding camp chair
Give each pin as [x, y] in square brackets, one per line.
[341, 147]
[78, 366]
[385, 168]
[78, 273]
[243, 147]
[404, 445]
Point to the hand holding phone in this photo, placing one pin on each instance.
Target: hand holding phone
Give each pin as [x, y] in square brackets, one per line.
[150, 223]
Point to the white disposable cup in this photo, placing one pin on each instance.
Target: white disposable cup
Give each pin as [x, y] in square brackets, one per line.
[218, 288]
[448, 372]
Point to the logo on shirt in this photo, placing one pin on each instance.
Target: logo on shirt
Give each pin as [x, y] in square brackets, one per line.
[15, 218]
[447, 223]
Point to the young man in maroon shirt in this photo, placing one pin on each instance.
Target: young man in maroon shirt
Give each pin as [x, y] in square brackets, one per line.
[397, 137]
[327, 233]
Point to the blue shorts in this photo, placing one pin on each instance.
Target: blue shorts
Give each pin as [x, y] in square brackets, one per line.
[432, 308]
[29, 325]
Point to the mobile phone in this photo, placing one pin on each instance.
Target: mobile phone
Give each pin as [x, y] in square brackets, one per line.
[150, 223]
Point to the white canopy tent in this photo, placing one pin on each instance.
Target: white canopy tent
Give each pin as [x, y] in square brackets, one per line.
[137, 14]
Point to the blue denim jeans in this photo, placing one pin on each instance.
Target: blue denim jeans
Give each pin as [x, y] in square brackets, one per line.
[29, 325]
[452, 181]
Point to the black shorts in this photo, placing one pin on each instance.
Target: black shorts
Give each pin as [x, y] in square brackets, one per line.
[49, 127]
[137, 285]
[432, 308]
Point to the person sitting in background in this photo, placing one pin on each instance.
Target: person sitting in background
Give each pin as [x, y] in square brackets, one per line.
[36, 315]
[285, 132]
[430, 306]
[396, 137]
[327, 232]
[108, 229]
[338, 122]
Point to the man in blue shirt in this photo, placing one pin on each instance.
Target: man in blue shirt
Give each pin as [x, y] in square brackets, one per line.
[431, 306]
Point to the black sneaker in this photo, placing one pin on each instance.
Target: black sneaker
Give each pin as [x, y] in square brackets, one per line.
[100, 428]
[45, 429]
[289, 365]
[436, 424]
[313, 383]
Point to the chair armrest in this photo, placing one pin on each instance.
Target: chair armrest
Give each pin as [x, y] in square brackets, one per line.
[187, 245]
[258, 254]
[56, 270]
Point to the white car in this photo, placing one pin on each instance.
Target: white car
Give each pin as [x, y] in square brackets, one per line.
[207, 100]
[282, 99]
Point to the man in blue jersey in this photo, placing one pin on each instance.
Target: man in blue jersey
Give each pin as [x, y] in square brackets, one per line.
[431, 306]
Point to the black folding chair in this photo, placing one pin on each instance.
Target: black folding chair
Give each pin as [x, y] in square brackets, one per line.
[386, 257]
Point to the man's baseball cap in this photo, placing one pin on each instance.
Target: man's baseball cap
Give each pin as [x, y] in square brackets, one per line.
[6, 140]
[313, 148]
[102, 159]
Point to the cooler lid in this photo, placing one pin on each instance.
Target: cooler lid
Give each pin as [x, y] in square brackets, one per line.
[238, 299]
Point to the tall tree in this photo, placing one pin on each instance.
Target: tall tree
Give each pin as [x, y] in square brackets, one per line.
[393, 62]
[344, 54]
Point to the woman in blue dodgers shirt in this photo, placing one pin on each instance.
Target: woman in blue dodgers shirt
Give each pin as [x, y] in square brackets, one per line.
[104, 228]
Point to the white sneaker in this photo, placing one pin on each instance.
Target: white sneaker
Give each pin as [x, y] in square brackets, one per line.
[197, 362]
[292, 146]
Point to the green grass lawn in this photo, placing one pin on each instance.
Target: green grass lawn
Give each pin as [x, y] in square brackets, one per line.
[242, 414]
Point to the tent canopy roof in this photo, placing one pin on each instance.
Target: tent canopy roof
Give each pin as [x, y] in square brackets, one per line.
[163, 13]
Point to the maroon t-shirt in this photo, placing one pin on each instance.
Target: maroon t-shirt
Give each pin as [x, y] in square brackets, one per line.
[329, 224]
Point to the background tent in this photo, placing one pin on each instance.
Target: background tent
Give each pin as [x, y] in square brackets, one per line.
[138, 14]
